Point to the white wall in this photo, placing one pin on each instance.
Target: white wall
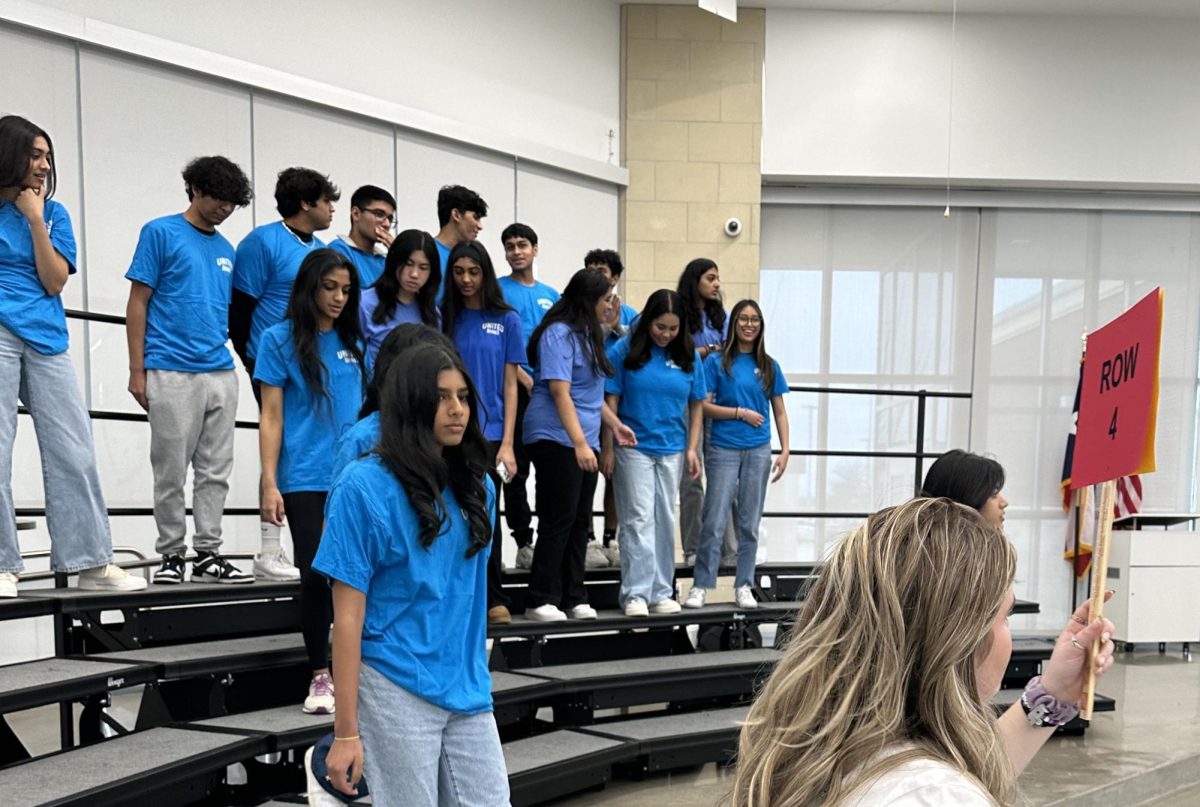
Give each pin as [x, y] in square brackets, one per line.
[1060, 101]
[542, 71]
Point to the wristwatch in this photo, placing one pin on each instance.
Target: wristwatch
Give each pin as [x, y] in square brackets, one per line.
[1042, 709]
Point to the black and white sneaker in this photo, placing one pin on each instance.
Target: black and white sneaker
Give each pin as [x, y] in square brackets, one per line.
[171, 571]
[210, 567]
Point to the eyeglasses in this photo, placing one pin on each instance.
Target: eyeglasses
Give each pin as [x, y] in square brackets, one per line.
[749, 320]
[382, 215]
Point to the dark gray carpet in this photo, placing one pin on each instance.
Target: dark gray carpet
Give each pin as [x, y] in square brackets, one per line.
[634, 666]
[681, 725]
[549, 749]
[47, 672]
[204, 650]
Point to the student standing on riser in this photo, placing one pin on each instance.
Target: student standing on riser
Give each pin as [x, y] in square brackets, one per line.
[372, 222]
[313, 374]
[460, 218]
[657, 389]
[263, 272]
[180, 370]
[406, 291]
[745, 385]
[487, 332]
[532, 299]
[708, 322]
[562, 432]
[620, 318]
[37, 255]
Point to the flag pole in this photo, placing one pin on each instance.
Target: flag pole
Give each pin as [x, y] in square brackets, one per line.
[1079, 498]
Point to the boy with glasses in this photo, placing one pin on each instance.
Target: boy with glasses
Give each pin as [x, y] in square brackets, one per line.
[372, 224]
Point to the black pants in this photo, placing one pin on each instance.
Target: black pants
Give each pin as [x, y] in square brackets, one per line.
[516, 499]
[306, 516]
[495, 591]
[255, 384]
[564, 504]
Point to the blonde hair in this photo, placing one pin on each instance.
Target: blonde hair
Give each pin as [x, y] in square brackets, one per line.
[883, 653]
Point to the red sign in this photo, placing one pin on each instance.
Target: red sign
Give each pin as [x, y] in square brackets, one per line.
[1118, 407]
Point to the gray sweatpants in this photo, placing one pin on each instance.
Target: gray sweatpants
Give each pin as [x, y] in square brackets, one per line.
[191, 423]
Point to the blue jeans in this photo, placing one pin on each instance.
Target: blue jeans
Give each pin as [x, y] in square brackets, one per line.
[416, 754]
[645, 487]
[732, 473]
[75, 512]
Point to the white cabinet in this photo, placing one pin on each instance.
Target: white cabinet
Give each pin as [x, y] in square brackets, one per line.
[1156, 576]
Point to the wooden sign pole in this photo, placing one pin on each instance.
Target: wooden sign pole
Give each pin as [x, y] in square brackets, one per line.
[1108, 496]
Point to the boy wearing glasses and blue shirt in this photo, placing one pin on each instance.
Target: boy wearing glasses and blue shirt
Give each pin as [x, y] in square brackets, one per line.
[372, 222]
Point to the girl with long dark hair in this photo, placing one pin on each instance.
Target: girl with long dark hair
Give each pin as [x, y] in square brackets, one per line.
[969, 479]
[657, 390]
[407, 539]
[562, 431]
[37, 255]
[405, 292]
[705, 320]
[745, 385]
[313, 375]
[487, 332]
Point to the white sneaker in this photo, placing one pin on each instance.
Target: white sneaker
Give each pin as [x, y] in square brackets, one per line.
[745, 597]
[636, 607]
[525, 557]
[613, 553]
[689, 558]
[320, 699]
[109, 578]
[275, 567]
[695, 598]
[546, 613]
[582, 611]
[8, 584]
[665, 607]
[317, 795]
[595, 557]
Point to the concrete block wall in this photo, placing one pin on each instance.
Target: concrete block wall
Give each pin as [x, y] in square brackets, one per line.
[691, 100]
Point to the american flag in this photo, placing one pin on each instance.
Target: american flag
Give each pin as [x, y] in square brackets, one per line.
[1128, 501]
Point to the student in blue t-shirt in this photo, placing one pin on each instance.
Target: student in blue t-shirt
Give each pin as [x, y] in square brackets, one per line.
[461, 212]
[263, 272]
[707, 322]
[313, 374]
[364, 434]
[657, 389]
[744, 382]
[562, 433]
[407, 537]
[405, 292]
[620, 319]
[487, 332]
[180, 372]
[372, 224]
[37, 255]
[532, 299]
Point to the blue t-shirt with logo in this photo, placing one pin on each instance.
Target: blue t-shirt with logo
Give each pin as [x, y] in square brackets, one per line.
[266, 265]
[369, 264]
[741, 387]
[654, 397]
[191, 274]
[311, 424]
[35, 317]
[357, 440]
[709, 334]
[563, 356]
[425, 624]
[531, 302]
[376, 332]
[489, 341]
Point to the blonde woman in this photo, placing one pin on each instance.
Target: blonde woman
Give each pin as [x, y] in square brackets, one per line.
[882, 696]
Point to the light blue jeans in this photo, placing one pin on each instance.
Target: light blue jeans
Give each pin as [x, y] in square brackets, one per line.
[732, 473]
[416, 754]
[645, 488]
[75, 512]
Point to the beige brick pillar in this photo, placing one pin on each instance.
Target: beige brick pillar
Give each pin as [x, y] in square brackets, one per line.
[691, 100]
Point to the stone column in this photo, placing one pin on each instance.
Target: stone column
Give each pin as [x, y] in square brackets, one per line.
[692, 129]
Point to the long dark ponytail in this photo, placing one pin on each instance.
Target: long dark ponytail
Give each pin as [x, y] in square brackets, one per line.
[689, 290]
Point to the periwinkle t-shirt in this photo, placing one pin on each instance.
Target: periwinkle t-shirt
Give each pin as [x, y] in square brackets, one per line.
[425, 625]
[311, 424]
[265, 268]
[488, 342]
[35, 317]
[191, 274]
[376, 332]
[654, 397]
[742, 386]
[563, 356]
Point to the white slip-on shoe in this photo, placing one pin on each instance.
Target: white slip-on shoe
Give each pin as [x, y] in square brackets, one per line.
[695, 598]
